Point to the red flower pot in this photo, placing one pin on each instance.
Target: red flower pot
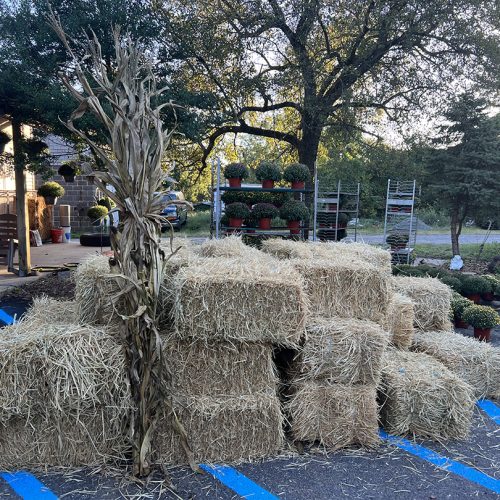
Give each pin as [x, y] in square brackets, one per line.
[294, 226]
[268, 184]
[460, 323]
[332, 207]
[298, 184]
[475, 297]
[57, 235]
[235, 222]
[482, 334]
[265, 223]
[488, 297]
[234, 182]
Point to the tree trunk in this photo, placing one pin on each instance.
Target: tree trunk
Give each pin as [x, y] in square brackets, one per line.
[24, 250]
[455, 232]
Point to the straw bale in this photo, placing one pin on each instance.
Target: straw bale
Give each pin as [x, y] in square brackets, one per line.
[477, 363]
[224, 429]
[59, 368]
[239, 299]
[341, 287]
[231, 246]
[420, 396]
[336, 415]
[399, 321]
[377, 257]
[45, 310]
[220, 369]
[287, 249]
[431, 298]
[62, 439]
[344, 351]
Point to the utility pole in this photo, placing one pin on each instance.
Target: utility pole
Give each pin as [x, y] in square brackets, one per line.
[24, 250]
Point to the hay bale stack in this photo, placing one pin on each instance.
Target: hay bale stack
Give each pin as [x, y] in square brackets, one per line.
[477, 363]
[345, 288]
[420, 396]
[431, 298]
[57, 382]
[341, 350]
[231, 246]
[224, 428]
[399, 321]
[287, 249]
[45, 310]
[220, 369]
[377, 257]
[245, 300]
[335, 415]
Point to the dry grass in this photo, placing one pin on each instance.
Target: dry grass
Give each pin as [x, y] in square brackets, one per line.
[345, 288]
[243, 300]
[477, 363]
[221, 369]
[287, 249]
[94, 438]
[60, 368]
[377, 257]
[431, 298]
[400, 320]
[224, 429]
[45, 311]
[335, 415]
[420, 396]
[343, 351]
[231, 246]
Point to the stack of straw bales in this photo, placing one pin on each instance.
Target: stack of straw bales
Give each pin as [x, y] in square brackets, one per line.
[431, 298]
[420, 396]
[477, 363]
[399, 321]
[230, 247]
[64, 395]
[334, 383]
[228, 314]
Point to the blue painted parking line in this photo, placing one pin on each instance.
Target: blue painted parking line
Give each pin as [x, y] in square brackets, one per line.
[491, 409]
[237, 482]
[443, 462]
[27, 486]
[6, 318]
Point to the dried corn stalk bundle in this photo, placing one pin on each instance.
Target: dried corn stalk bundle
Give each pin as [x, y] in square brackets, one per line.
[224, 429]
[476, 363]
[60, 368]
[335, 415]
[246, 300]
[377, 257]
[344, 288]
[431, 298]
[399, 321]
[220, 369]
[93, 438]
[341, 350]
[420, 396]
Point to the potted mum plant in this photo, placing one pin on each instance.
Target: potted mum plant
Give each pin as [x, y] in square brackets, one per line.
[264, 212]
[96, 214]
[234, 173]
[236, 212]
[68, 170]
[294, 211]
[51, 191]
[297, 174]
[473, 286]
[495, 287]
[268, 173]
[4, 140]
[458, 306]
[397, 241]
[483, 319]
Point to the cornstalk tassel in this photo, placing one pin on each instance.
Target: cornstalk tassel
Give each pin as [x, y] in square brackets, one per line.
[136, 138]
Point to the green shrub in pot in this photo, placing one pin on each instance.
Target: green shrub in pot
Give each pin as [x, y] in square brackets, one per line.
[268, 171]
[237, 210]
[294, 210]
[296, 172]
[235, 171]
[481, 316]
[264, 211]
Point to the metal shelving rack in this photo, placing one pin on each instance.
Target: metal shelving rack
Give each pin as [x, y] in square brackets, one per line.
[330, 202]
[218, 230]
[400, 217]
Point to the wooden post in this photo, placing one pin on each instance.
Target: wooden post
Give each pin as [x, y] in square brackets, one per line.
[24, 250]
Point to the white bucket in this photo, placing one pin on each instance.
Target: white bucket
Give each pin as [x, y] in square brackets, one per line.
[66, 234]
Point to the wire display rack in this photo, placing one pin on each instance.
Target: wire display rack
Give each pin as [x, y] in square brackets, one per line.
[400, 226]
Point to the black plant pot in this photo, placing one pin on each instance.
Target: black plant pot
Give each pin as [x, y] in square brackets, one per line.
[50, 200]
[69, 178]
